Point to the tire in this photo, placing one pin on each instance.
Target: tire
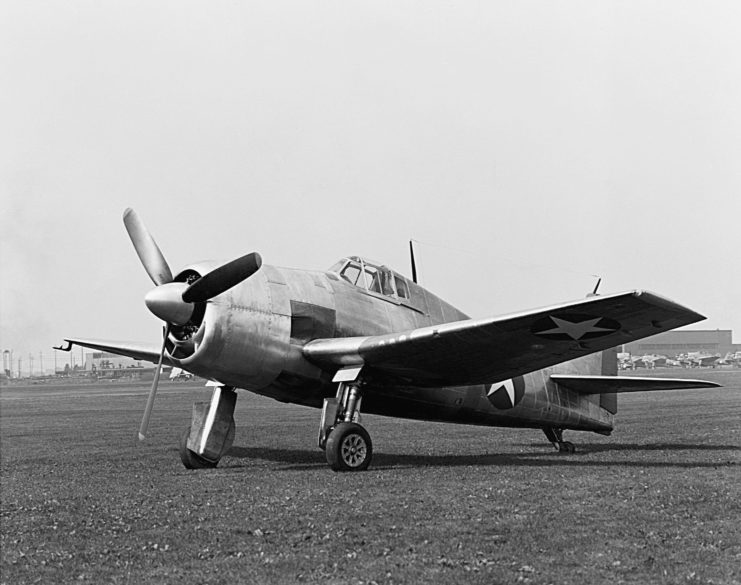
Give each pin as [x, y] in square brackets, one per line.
[192, 460]
[349, 448]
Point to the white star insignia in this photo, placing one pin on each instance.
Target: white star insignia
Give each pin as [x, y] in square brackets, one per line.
[575, 330]
[509, 386]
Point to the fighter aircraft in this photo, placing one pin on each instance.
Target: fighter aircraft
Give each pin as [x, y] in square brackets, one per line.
[361, 334]
[731, 359]
[697, 359]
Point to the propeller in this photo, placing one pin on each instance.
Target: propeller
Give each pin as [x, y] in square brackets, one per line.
[174, 302]
[222, 278]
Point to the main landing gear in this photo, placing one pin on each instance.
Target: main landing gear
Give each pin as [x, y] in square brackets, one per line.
[211, 431]
[555, 436]
[347, 445]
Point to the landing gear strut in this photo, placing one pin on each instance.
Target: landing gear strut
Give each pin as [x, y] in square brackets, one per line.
[211, 431]
[347, 445]
[555, 436]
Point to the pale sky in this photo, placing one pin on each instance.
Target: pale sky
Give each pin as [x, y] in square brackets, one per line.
[528, 145]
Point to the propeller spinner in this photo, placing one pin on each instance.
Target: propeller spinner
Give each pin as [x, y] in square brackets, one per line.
[174, 302]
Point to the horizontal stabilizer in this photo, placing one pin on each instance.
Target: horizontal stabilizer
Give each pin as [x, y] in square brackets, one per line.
[147, 352]
[611, 384]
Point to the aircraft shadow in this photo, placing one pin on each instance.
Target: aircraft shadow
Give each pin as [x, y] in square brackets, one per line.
[601, 447]
[293, 458]
[299, 459]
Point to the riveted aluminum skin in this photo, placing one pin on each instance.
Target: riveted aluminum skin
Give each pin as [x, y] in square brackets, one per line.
[244, 337]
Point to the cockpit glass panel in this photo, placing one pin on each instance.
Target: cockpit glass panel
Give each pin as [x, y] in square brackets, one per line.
[371, 277]
[350, 273]
[387, 282]
[372, 281]
[401, 288]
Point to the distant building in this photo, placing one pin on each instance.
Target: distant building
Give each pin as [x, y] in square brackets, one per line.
[96, 361]
[673, 343]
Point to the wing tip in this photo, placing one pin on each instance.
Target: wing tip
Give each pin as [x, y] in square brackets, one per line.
[653, 298]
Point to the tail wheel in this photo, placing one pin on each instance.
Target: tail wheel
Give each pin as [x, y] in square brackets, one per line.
[192, 460]
[349, 448]
[566, 447]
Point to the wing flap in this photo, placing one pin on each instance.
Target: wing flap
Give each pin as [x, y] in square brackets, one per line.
[479, 351]
[613, 384]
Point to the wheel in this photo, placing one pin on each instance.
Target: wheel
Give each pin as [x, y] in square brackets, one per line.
[567, 447]
[192, 460]
[349, 448]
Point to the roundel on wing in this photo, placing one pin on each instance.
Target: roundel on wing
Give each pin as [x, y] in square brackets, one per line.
[507, 394]
[573, 327]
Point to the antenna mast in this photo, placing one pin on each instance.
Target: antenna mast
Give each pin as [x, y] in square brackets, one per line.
[414, 264]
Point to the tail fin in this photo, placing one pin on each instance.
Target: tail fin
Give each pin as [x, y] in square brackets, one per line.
[609, 368]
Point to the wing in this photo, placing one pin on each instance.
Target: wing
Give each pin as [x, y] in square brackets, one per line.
[480, 351]
[139, 351]
[611, 384]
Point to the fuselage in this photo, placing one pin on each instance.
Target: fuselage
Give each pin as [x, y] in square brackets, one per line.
[252, 336]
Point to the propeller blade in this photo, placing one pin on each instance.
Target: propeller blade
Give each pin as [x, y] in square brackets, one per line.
[222, 278]
[153, 392]
[149, 253]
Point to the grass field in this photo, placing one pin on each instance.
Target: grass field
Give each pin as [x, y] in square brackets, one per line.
[82, 502]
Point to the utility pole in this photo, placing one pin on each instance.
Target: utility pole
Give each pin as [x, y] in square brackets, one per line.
[41, 363]
[20, 363]
[30, 365]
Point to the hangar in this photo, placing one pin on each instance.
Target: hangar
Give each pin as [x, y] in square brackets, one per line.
[672, 343]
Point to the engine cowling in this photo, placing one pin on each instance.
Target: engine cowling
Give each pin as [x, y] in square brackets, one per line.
[239, 338]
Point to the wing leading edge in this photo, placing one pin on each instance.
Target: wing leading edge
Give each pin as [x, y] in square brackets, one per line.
[139, 351]
[479, 351]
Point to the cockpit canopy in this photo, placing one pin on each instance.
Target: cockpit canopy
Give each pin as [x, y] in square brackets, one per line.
[372, 277]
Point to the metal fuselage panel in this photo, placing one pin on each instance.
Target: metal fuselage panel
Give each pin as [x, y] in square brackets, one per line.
[542, 403]
[252, 338]
[244, 338]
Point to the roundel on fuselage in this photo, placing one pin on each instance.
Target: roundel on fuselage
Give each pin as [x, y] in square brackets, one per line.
[507, 394]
